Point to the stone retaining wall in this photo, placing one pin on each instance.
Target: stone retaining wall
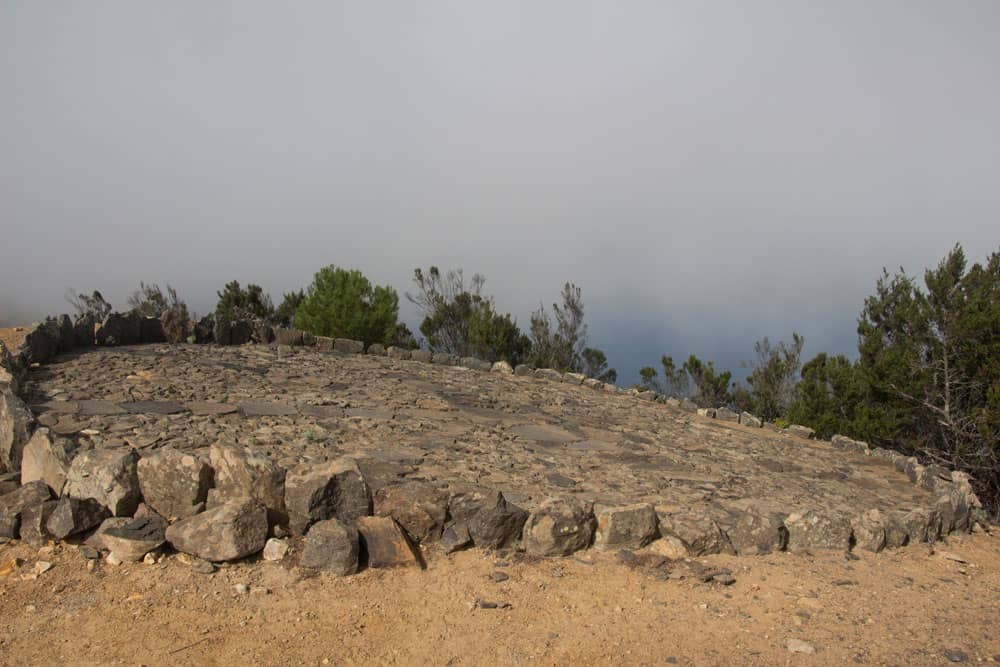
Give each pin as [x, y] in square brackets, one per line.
[238, 503]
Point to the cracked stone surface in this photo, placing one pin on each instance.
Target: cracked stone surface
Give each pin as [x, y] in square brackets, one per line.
[454, 427]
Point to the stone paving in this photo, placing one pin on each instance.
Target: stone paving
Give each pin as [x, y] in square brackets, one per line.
[454, 427]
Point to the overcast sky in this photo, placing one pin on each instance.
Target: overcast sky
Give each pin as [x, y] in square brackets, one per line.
[708, 172]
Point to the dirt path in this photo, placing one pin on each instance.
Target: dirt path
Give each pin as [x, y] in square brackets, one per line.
[905, 607]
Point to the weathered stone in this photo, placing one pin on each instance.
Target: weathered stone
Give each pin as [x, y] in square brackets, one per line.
[266, 410]
[204, 330]
[376, 350]
[558, 527]
[274, 549]
[913, 526]
[418, 507]
[131, 539]
[502, 367]
[700, 533]
[772, 427]
[16, 422]
[324, 344]
[455, 538]
[850, 444]
[815, 530]
[245, 472]
[750, 420]
[523, 370]
[335, 489]
[548, 374]
[284, 336]
[83, 331]
[475, 364]
[41, 343]
[492, 521]
[628, 527]
[34, 523]
[348, 346]
[647, 395]
[593, 383]
[611, 388]
[870, 530]
[444, 359]
[332, 546]
[800, 431]
[688, 405]
[234, 530]
[97, 407]
[423, 356]
[74, 515]
[13, 504]
[954, 508]
[108, 476]
[757, 533]
[707, 412]
[573, 378]
[727, 415]
[45, 459]
[386, 543]
[120, 329]
[400, 353]
[173, 483]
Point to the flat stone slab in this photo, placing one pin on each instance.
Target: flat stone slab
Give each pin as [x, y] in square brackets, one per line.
[154, 407]
[94, 408]
[266, 410]
[322, 411]
[57, 407]
[202, 408]
[542, 433]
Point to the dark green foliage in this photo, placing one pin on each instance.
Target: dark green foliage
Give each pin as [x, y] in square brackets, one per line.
[560, 348]
[595, 365]
[284, 315]
[830, 397]
[711, 389]
[234, 300]
[150, 301]
[461, 320]
[404, 337]
[772, 380]
[342, 303]
[84, 305]
[675, 380]
[648, 379]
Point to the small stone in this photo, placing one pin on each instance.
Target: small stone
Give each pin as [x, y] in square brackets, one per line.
[241, 589]
[799, 646]
[275, 549]
[203, 566]
[724, 578]
[954, 655]
[387, 544]
[42, 566]
[499, 576]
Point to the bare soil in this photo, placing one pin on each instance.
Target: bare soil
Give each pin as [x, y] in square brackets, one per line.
[910, 606]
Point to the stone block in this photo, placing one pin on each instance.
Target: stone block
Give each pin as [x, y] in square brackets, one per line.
[246, 472]
[750, 420]
[386, 543]
[559, 527]
[475, 364]
[324, 344]
[800, 431]
[869, 530]
[348, 346]
[444, 359]
[284, 336]
[34, 523]
[400, 353]
[418, 507]
[73, 515]
[16, 423]
[376, 350]
[574, 378]
[423, 356]
[757, 533]
[727, 415]
[227, 532]
[627, 527]
[175, 484]
[13, 504]
[523, 370]
[549, 374]
[335, 489]
[108, 476]
[45, 459]
[698, 531]
[492, 522]
[818, 530]
[502, 367]
[332, 546]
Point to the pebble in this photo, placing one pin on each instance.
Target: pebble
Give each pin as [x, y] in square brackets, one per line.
[274, 549]
[954, 655]
[724, 579]
[499, 576]
[241, 589]
[203, 567]
[799, 646]
[42, 567]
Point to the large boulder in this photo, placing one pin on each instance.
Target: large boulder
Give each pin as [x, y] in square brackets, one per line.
[120, 329]
[66, 337]
[228, 532]
[418, 507]
[750, 420]
[818, 530]
[490, 520]
[423, 356]
[335, 489]
[13, 504]
[173, 483]
[400, 353]
[16, 422]
[758, 532]
[727, 415]
[699, 532]
[131, 539]
[870, 530]
[348, 346]
[332, 546]
[245, 472]
[558, 527]
[376, 350]
[34, 523]
[386, 543]
[800, 431]
[107, 476]
[72, 516]
[629, 527]
[47, 459]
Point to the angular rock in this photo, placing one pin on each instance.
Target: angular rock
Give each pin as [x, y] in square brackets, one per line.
[287, 336]
[688, 405]
[332, 546]
[628, 527]
[151, 330]
[475, 364]
[423, 356]
[801, 431]
[748, 419]
[173, 483]
[376, 350]
[444, 359]
[34, 523]
[954, 508]
[707, 412]
[394, 352]
[523, 370]
[593, 383]
[727, 415]
[348, 346]
[815, 530]
[73, 515]
[274, 549]
[870, 530]
[45, 459]
[41, 343]
[386, 543]
[245, 472]
[13, 504]
[108, 476]
[234, 530]
[131, 539]
[324, 344]
[558, 527]
[335, 489]
[548, 374]
[919, 524]
[573, 378]
[492, 522]
[16, 422]
[455, 538]
[757, 533]
[418, 507]
[83, 331]
[502, 367]
[120, 329]
[699, 532]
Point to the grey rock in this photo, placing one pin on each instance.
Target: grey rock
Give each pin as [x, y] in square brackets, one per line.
[423, 356]
[348, 346]
[83, 331]
[870, 530]
[748, 419]
[549, 374]
[45, 459]
[120, 329]
[332, 546]
[593, 383]
[34, 523]
[444, 359]
[523, 370]
[492, 522]
[455, 538]
[627, 527]
[700, 533]
[131, 539]
[13, 504]
[228, 532]
[400, 353]
[418, 507]
[284, 336]
[245, 472]
[727, 415]
[107, 476]
[376, 350]
[757, 533]
[573, 378]
[175, 484]
[688, 405]
[41, 343]
[558, 527]
[335, 489]
[801, 431]
[16, 422]
[74, 515]
[475, 364]
[386, 543]
[502, 367]
[815, 530]
[275, 549]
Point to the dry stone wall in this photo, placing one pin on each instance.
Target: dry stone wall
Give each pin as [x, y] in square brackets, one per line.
[63, 478]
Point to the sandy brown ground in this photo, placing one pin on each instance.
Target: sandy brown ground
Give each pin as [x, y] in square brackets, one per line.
[903, 607]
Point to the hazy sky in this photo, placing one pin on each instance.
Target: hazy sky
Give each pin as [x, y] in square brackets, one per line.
[708, 172]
